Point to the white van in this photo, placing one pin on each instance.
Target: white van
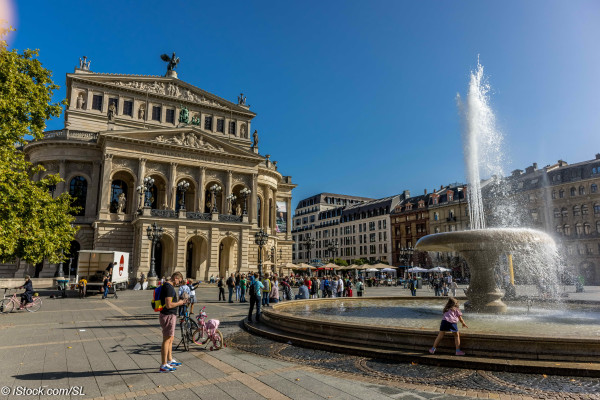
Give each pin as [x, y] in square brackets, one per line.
[92, 264]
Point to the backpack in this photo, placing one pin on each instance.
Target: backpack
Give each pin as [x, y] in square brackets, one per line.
[326, 285]
[156, 303]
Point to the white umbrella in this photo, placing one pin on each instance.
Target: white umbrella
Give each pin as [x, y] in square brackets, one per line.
[372, 270]
[439, 269]
[417, 269]
[389, 270]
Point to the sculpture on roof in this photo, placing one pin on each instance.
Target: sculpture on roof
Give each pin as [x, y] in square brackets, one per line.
[241, 99]
[85, 63]
[172, 61]
[184, 115]
[255, 138]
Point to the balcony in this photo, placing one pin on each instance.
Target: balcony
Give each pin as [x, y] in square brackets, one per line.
[196, 216]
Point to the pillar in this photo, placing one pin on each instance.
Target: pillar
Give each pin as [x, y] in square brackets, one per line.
[201, 188]
[252, 205]
[140, 181]
[105, 185]
[172, 186]
[228, 184]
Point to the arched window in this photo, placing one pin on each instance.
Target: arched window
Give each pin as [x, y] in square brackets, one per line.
[118, 186]
[581, 190]
[559, 229]
[78, 190]
[554, 194]
[594, 188]
[596, 208]
[598, 226]
[561, 193]
[556, 213]
[259, 211]
[587, 229]
[567, 230]
[579, 229]
[573, 191]
[584, 210]
[564, 212]
[576, 211]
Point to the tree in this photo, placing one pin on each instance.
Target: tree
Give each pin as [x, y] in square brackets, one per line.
[33, 225]
[340, 262]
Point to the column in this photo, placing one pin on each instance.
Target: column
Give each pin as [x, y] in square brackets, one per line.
[201, 184]
[105, 184]
[172, 186]
[274, 211]
[140, 181]
[60, 186]
[266, 209]
[228, 191]
[91, 202]
[252, 204]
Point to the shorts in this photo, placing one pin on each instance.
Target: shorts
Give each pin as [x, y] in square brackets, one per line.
[446, 326]
[168, 324]
[192, 299]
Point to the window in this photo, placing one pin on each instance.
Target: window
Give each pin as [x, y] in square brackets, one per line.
[579, 229]
[170, 118]
[584, 210]
[598, 226]
[372, 249]
[556, 213]
[561, 193]
[563, 212]
[156, 113]
[587, 229]
[384, 224]
[78, 190]
[372, 225]
[436, 216]
[232, 128]
[594, 188]
[128, 108]
[567, 230]
[379, 224]
[576, 211]
[573, 191]
[559, 229]
[554, 194]
[118, 187]
[221, 125]
[259, 211]
[372, 237]
[596, 209]
[437, 229]
[97, 100]
[595, 170]
[208, 123]
[581, 190]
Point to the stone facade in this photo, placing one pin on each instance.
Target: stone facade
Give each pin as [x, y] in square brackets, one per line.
[166, 129]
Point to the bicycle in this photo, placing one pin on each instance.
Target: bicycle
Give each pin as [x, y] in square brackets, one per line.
[208, 330]
[188, 326]
[10, 304]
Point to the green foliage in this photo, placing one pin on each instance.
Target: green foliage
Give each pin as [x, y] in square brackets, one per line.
[340, 262]
[33, 225]
[360, 261]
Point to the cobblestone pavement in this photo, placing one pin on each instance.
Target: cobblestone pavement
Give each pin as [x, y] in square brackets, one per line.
[111, 350]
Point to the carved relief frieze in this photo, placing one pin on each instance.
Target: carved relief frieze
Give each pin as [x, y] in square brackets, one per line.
[212, 175]
[245, 180]
[126, 163]
[192, 140]
[154, 167]
[171, 90]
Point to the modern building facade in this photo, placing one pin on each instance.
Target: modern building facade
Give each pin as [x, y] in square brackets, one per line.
[121, 129]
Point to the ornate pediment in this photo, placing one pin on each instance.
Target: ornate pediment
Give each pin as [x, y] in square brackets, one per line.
[169, 89]
[189, 139]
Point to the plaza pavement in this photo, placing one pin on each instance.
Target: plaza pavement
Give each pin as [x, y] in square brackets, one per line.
[110, 349]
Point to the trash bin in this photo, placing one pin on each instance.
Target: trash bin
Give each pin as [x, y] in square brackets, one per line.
[419, 283]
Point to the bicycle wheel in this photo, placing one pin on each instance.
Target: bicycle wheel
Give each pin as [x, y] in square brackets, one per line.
[200, 337]
[6, 306]
[217, 341]
[36, 305]
[192, 327]
[183, 325]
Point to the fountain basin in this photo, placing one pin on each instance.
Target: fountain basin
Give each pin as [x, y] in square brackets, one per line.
[481, 248]
[304, 319]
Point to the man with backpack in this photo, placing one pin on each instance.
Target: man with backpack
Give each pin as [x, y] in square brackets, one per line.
[256, 287]
[168, 320]
[325, 288]
[360, 287]
[221, 287]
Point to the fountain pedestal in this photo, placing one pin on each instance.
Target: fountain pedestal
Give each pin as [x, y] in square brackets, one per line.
[483, 294]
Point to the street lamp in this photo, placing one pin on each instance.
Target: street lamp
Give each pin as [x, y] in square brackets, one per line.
[309, 243]
[215, 189]
[148, 183]
[245, 192]
[407, 254]
[333, 248]
[182, 187]
[260, 238]
[154, 232]
[231, 200]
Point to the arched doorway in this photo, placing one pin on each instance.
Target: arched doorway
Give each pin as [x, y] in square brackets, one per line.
[228, 257]
[196, 258]
[158, 193]
[122, 183]
[238, 206]
[208, 198]
[190, 196]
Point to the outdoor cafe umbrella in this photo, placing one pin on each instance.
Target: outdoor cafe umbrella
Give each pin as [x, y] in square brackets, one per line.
[439, 269]
[417, 269]
[379, 266]
[304, 266]
[389, 270]
[372, 270]
[289, 266]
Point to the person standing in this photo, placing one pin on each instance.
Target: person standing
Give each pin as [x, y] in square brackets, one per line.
[334, 285]
[238, 293]
[168, 321]
[274, 294]
[243, 284]
[255, 297]
[265, 294]
[105, 283]
[231, 286]
[221, 286]
[360, 287]
[340, 287]
[413, 287]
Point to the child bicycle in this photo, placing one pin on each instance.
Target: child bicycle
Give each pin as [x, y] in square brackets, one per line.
[10, 304]
[208, 330]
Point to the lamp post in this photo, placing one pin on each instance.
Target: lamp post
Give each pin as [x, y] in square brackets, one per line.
[148, 183]
[260, 238]
[182, 187]
[245, 192]
[407, 254]
[333, 248]
[309, 243]
[59, 267]
[154, 233]
[231, 200]
[215, 189]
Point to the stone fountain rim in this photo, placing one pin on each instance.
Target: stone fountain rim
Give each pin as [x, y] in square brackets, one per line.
[277, 311]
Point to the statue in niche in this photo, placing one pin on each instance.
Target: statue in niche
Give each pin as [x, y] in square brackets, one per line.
[238, 209]
[112, 111]
[121, 203]
[184, 115]
[80, 102]
[255, 138]
[142, 112]
[243, 133]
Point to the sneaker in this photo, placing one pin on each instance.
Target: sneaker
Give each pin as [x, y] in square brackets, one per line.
[166, 368]
[432, 350]
[174, 363]
[460, 353]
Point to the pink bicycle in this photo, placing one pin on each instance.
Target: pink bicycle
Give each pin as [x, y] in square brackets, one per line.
[10, 304]
[208, 330]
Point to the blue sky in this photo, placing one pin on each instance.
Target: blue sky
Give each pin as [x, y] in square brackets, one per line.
[354, 97]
